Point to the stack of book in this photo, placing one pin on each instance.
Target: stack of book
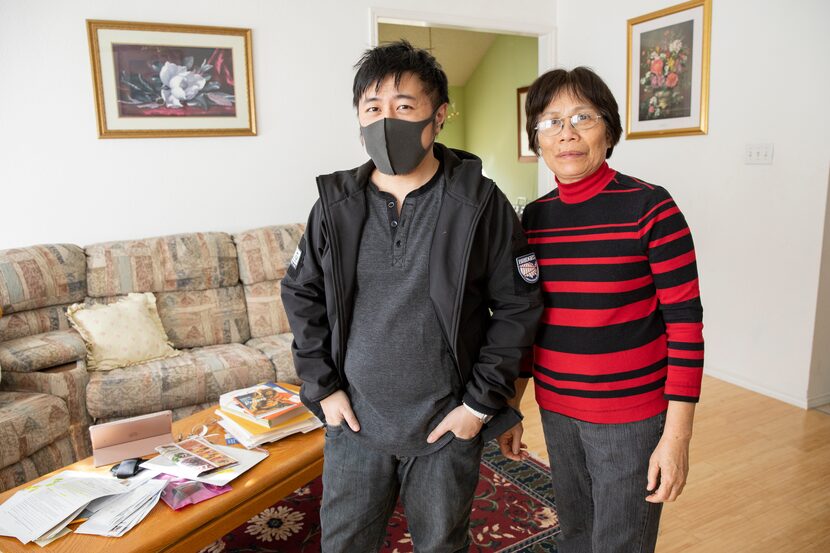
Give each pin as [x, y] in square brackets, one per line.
[264, 413]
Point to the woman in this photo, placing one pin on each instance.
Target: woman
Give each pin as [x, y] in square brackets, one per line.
[618, 358]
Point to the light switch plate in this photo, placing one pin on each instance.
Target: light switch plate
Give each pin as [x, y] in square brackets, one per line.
[759, 154]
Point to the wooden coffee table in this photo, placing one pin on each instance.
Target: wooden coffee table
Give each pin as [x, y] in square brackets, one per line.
[292, 462]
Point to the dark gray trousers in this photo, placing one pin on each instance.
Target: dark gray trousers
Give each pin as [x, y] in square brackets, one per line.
[600, 473]
[361, 487]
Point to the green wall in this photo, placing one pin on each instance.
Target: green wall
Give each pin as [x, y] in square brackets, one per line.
[453, 133]
[490, 118]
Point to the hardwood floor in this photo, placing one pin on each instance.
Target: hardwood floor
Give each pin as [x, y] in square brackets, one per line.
[759, 479]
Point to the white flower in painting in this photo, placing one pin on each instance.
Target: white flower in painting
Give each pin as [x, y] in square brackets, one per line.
[216, 547]
[675, 46]
[179, 84]
[280, 524]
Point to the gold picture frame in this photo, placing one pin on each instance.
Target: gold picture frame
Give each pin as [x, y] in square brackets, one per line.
[526, 154]
[156, 80]
[667, 92]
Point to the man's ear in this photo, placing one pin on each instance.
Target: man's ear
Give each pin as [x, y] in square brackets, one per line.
[440, 117]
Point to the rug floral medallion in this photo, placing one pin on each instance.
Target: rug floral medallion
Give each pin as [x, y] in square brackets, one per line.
[513, 512]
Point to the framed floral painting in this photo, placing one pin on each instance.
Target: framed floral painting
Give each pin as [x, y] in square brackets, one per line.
[668, 71]
[160, 80]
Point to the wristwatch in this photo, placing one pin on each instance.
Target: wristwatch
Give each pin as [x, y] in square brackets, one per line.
[480, 416]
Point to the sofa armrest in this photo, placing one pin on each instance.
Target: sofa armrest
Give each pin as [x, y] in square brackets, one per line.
[42, 351]
[67, 382]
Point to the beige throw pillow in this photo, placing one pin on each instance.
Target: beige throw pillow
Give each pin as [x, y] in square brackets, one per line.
[125, 333]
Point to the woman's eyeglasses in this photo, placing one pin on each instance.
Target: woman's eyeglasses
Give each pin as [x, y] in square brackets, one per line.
[579, 121]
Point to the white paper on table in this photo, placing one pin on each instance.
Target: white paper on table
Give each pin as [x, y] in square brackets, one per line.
[59, 527]
[133, 482]
[41, 507]
[137, 516]
[110, 519]
[46, 541]
[247, 460]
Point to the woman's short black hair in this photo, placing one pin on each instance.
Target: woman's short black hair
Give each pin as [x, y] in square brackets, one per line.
[582, 83]
[398, 58]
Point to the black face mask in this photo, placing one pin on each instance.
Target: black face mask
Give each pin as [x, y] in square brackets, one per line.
[395, 145]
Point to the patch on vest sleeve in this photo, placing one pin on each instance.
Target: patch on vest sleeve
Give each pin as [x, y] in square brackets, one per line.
[295, 260]
[528, 268]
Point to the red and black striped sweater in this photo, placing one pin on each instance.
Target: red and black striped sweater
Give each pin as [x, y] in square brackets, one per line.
[621, 333]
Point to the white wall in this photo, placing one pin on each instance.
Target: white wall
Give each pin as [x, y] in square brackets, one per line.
[757, 228]
[60, 183]
[819, 388]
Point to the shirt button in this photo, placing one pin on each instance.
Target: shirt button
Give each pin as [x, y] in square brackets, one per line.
[394, 224]
[390, 205]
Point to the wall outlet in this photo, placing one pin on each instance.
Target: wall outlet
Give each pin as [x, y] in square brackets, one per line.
[758, 154]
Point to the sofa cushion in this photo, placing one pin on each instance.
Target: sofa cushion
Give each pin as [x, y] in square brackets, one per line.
[125, 333]
[264, 253]
[195, 261]
[278, 349]
[196, 318]
[40, 276]
[35, 321]
[42, 351]
[197, 376]
[265, 310]
[56, 455]
[29, 422]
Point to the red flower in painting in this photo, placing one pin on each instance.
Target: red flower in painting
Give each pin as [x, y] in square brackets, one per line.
[671, 80]
[657, 66]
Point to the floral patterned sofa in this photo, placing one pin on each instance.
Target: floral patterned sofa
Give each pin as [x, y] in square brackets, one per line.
[218, 299]
[43, 416]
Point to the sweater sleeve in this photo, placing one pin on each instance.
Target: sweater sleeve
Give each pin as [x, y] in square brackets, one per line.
[667, 241]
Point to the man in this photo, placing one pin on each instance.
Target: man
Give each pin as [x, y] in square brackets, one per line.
[413, 298]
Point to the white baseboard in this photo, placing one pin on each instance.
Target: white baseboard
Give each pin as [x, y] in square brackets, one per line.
[818, 401]
[749, 385]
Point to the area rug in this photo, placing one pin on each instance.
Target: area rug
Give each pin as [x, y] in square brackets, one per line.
[513, 512]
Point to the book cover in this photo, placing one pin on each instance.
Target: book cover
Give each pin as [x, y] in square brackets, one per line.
[267, 401]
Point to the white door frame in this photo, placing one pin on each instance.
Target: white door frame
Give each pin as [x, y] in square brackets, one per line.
[545, 33]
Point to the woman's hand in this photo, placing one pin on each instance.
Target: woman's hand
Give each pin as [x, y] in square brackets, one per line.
[511, 444]
[669, 464]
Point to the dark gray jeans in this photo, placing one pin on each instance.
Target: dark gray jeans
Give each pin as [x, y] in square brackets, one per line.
[600, 473]
[361, 487]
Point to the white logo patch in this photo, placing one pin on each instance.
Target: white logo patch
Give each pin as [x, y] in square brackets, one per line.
[298, 254]
[528, 268]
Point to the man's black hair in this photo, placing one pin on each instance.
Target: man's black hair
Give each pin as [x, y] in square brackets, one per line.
[398, 58]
